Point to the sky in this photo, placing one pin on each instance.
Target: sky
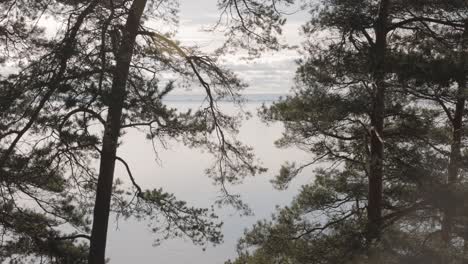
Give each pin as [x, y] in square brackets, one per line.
[271, 73]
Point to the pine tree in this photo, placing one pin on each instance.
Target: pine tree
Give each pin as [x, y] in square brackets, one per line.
[105, 66]
[334, 114]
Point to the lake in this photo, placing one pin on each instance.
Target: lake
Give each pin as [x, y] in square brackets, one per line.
[180, 170]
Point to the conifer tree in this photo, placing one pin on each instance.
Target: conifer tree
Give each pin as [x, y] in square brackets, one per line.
[332, 114]
[75, 93]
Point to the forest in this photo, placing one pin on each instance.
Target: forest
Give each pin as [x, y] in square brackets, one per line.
[378, 105]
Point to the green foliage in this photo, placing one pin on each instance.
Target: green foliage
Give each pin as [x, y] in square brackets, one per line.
[27, 234]
[53, 111]
[329, 115]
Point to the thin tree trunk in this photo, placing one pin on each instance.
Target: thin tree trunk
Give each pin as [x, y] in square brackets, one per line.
[463, 91]
[454, 164]
[111, 134]
[455, 151]
[374, 210]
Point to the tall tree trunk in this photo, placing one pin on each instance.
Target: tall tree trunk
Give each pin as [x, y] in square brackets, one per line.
[374, 210]
[111, 134]
[455, 153]
[463, 93]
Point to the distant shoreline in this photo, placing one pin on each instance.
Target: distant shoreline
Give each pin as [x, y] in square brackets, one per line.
[249, 98]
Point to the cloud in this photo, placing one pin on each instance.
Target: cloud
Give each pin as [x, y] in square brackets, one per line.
[271, 73]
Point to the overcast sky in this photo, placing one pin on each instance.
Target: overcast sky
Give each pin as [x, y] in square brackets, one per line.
[272, 73]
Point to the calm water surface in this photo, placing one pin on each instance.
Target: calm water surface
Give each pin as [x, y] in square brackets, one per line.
[180, 170]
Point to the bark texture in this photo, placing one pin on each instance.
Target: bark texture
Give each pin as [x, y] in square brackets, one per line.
[111, 134]
[374, 210]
